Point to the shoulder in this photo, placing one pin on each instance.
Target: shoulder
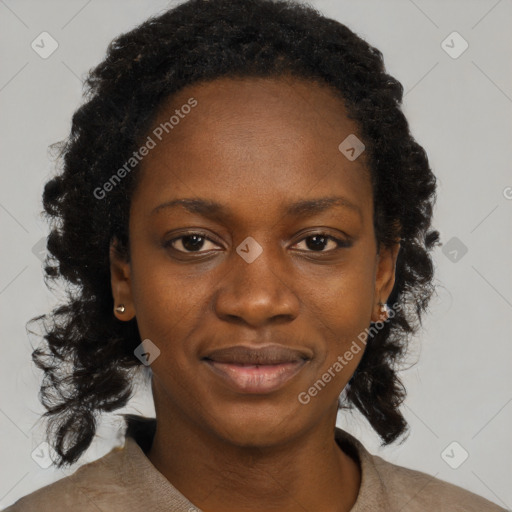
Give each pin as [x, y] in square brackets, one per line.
[82, 491]
[123, 479]
[415, 491]
[390, 487]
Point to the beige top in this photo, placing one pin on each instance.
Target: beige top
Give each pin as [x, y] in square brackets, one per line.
[124, 480]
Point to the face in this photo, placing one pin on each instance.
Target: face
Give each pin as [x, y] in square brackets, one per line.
[253, 262]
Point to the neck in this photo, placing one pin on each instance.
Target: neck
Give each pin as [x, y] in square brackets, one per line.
[309, 472]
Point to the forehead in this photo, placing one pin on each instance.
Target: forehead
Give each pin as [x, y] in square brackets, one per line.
[299, 107]
[268, 138]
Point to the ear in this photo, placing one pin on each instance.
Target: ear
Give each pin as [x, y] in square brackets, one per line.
[384, 277]
[121, 283]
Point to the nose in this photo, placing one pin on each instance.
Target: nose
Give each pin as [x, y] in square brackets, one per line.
[257, 293]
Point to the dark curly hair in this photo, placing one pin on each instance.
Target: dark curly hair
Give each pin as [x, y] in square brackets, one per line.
[87, 355]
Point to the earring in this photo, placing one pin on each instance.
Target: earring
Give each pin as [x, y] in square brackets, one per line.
[384, 308]
[120, 308]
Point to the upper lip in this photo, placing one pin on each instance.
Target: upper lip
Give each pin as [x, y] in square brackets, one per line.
[269, 354]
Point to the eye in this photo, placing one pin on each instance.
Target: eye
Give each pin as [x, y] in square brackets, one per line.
[195, 243]
[190, 242]
[317, 242]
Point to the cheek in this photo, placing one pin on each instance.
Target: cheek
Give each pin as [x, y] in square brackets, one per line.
[341, 312]
[167, 311]
[344, 301]
[167, 302]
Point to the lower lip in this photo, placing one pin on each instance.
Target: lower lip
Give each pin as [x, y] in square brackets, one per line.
[259, 379]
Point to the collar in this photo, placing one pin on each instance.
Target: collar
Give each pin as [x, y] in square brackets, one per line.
[139, 436]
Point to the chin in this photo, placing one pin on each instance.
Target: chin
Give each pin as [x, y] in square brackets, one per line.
[266, 427]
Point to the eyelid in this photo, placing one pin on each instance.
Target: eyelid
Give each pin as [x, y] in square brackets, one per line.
[168, 243]
[341, 243]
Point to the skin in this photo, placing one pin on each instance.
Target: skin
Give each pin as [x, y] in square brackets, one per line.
[254, 145]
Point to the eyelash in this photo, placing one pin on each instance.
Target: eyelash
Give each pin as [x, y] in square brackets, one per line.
[341, 244]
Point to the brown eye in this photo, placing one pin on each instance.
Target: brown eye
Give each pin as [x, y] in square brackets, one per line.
[318, 242]
[192, 242]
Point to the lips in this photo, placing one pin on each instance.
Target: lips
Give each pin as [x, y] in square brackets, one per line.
[268, 355]
[259, 370]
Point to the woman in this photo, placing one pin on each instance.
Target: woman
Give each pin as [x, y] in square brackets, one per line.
[243, 212]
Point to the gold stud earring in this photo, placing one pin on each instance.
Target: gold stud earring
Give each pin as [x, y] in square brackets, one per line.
[120, 308]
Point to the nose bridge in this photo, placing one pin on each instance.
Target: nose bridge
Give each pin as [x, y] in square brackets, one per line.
[255, 288]
[256, 263]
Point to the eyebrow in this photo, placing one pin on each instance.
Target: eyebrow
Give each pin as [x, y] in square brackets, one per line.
[305, 207]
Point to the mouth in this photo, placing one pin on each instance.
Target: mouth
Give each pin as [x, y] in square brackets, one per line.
[256, 371]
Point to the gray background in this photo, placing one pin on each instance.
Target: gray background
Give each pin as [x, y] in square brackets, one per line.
[459, 109]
